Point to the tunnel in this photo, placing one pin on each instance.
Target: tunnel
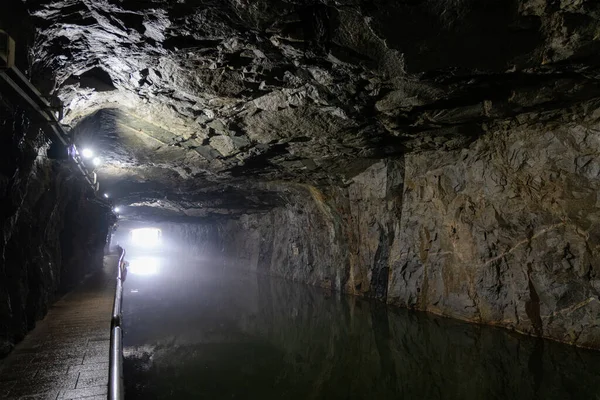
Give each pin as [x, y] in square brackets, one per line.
[299, 199]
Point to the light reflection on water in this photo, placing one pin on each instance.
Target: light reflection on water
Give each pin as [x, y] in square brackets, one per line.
[194, 333]
[143, 265]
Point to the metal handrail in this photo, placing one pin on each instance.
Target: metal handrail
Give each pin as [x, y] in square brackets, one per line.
[115, 367]
[19, 83]
[115, 380]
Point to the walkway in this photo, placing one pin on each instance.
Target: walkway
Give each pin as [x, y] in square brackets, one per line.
[66, 355]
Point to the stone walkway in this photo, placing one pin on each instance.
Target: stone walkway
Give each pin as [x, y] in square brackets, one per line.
[66, 355]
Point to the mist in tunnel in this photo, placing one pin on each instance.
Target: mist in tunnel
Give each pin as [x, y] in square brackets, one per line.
[193, 329]
[316, 199]
[198, 325]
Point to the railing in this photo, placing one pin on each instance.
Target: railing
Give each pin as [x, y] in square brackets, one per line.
[19, 83]
[115, 372]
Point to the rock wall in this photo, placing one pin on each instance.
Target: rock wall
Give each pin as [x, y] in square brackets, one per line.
[52, 229]
[504, 232]
[507, 232]
[339, 238]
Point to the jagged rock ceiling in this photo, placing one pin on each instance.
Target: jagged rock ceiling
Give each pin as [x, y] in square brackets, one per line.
[196, 104]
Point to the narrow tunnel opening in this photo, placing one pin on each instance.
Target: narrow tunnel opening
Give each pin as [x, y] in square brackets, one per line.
[145, 237]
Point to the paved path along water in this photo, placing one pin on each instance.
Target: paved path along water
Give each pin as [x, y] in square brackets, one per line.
[66, 355]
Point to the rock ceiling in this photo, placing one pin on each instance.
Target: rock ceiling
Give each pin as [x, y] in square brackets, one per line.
[199, 106]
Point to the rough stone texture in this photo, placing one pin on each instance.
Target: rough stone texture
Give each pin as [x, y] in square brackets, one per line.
[202, 97]
[52, 228]
[52, 231]
[407, 151]
[339, 239]
[504, 232]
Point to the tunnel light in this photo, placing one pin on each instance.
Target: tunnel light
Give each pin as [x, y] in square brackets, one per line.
[145, 237]
[117, 209]
[143, 266]
[106, 196]
[96, 161]
[87, 153]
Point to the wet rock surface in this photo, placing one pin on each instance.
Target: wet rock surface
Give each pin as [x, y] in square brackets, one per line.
[436, 155]
[53, 231]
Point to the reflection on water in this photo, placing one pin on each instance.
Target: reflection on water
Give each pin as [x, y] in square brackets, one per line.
[191, 333]
[143, 265]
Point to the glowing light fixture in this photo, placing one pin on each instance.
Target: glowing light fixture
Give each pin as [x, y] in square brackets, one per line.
[143, 266]
[87, 153]
[146, 237]
[106, 196]
[96, 161]
[117, 209]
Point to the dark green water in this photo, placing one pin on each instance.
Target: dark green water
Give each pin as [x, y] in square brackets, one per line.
[194, 334]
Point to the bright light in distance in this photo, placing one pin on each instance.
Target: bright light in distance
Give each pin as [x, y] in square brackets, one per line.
[106, 195]
[87, 153]
[117, 209]
[146, 237]
[143, 266]
[96, 161]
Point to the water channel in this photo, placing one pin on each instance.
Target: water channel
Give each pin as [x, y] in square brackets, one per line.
[192, 332]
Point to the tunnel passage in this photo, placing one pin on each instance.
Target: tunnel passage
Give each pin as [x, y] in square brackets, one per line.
[436, 156]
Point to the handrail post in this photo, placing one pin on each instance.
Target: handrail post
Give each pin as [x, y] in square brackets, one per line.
[115, 390]
[115, 373]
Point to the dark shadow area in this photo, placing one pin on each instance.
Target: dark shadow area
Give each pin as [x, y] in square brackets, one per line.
[97, 79]
[462, 34]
